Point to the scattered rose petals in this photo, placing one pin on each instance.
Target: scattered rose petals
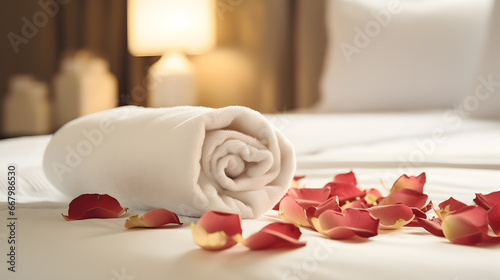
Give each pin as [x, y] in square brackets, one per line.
[349, 223]
[90, 206]
[273, 236]
[465, 226]
[351, 211]
[153, 218]
[214, 230]
[392, 216]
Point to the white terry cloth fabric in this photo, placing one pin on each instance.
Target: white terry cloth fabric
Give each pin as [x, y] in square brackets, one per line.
[185, 159]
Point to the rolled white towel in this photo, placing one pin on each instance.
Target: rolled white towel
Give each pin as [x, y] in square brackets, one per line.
[186, 159]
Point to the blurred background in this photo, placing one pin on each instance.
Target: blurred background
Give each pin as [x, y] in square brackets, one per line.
[61, 59]
[262, 50]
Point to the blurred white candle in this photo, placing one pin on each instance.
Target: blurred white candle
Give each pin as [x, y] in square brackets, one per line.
[26, 107]
[84, 85]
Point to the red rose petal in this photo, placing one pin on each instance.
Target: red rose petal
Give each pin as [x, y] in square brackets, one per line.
[295, 182]
[89, 206]
[487, 201]
[372, 195]
[214, 230]
[273, 236]
[433, 226]
[452, 204]
[153, 218]
[309, 197]
[409, 182]
[494, 219]
[277, 206]
[291, 212]
[331, 204]
[345, 187]
[419, 213]
[344, 191]
[392, 216]
[356, 204]
[213, 221]
[347, 224]
[409, 197]
[346, 178]
[426, 208]
[466, 226]
[298, 178]
[304, 196]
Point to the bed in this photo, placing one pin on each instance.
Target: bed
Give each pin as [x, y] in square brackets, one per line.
[389, 124]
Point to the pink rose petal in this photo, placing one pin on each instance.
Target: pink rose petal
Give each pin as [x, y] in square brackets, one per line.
[345, 187]
[433, 226]
[331, 204]
[426, 208]
[291, 212]
[357, 204]
[392, 216]
[372, 196]
[466, 226]
[273, 236]
[487, 201]
[419, 213]
[298, 178]
[409, 197]
[409, 182]
[296, 182]
[153, 218]
[346, 178]
[309, 197]
[452, 204]
[345, 191]
[214, 230]
[494, 219]
[349, 223]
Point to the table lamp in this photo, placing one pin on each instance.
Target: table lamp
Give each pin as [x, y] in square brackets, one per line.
[171, 28]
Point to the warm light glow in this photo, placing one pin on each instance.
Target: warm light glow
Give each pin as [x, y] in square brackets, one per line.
[157, 26]
[172, 63]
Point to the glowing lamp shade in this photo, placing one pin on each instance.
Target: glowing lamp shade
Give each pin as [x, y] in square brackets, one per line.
[170, 28]
[158, 26]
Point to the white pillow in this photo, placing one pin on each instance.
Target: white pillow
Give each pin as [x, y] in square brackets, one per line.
[484, 102]
[398, 55]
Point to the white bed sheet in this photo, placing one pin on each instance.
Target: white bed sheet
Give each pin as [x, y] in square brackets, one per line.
[374, 146]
